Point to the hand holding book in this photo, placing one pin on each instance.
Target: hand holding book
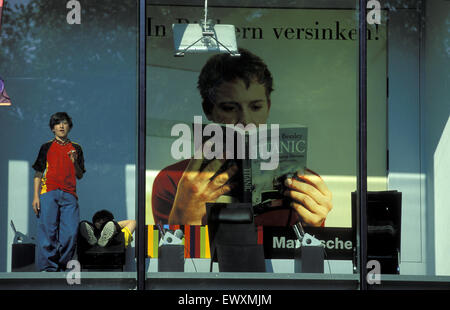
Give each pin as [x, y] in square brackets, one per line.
[198, 186]
[310, 196]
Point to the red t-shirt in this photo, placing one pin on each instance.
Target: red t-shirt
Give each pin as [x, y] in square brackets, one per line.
[165, 188]
[59, 171]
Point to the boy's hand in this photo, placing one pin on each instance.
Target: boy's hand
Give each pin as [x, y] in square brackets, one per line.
[196, 187]
[36, 205]
[310, 196]
[73, 155]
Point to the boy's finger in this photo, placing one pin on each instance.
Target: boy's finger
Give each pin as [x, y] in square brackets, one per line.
[315, 180]
[221, 179]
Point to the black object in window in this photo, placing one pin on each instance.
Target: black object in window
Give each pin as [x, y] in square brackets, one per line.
[233, 238]
[383, 228]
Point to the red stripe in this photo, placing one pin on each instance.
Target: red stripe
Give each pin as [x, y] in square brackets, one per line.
[260, 235]
[187, 241]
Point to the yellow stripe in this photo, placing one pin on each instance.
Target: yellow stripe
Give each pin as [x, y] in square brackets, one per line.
[44, 179]
[207, 250]
[150, 241]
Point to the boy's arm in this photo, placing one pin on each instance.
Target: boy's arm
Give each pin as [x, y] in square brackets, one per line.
[37, 188]
[39, 167]
[78, 171]
[77, 156]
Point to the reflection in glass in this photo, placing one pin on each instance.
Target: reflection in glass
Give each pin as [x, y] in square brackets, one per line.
[313, 90]
[88, 70]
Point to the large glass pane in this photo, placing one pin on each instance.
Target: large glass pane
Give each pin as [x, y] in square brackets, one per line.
[311, 51]
[78, 57]
[407, 226]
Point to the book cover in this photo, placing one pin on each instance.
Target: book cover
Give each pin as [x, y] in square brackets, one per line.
[265, 156]
[292, 155]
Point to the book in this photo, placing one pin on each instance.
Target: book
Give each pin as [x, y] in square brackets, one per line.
[265, 156]
[268, 184]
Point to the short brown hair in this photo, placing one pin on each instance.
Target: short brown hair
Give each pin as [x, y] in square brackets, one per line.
[58, 117]
[223, 67]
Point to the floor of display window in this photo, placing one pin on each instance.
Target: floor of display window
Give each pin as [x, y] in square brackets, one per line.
[212, 281]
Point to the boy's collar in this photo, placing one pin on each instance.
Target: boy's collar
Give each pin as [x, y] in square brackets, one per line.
[60, 142]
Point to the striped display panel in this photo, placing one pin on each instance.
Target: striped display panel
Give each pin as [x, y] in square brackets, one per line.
[196, 243]
[153, 236]
[152, 241]
[196, 240]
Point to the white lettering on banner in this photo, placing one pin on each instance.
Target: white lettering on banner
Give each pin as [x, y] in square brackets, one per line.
[336, 244]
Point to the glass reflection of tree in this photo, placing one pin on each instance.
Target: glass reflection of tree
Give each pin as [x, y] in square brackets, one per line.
[37, 39]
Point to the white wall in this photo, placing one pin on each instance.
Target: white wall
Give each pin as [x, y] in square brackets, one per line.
[436, 131]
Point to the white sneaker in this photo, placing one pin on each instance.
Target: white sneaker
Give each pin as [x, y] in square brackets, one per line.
[107, 233]
[87, 231]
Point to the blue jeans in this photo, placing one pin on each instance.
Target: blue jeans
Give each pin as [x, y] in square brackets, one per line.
[57, 230]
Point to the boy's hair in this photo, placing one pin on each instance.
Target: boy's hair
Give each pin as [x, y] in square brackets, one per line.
[222, 68]
[58, 117]
[104, 215]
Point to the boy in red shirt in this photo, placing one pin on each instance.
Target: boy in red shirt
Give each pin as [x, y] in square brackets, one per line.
[59, 163]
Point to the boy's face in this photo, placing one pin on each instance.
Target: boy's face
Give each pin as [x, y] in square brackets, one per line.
[61, 130]
[99, 224]
[237, 104]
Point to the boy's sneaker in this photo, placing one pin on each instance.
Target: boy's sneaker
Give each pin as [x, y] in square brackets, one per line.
[107, 233]
[87, 231]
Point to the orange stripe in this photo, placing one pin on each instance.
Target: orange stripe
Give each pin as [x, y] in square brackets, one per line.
[187, 241]
[149, 241]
